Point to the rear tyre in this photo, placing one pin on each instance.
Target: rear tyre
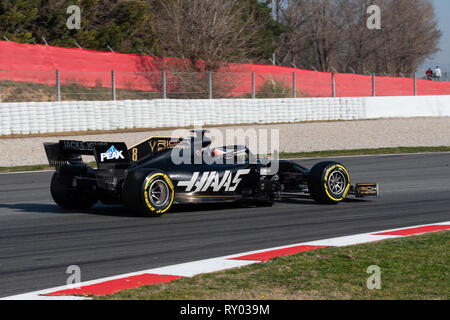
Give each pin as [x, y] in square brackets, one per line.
[149, 194]
[69, 197]
[329, 182]
[157, 194]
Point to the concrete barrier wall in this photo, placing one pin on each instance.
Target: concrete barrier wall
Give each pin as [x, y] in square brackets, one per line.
[406, 107]
[47, 117]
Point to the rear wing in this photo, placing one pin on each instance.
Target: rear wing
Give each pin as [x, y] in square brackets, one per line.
[70, 151]
[107, 154]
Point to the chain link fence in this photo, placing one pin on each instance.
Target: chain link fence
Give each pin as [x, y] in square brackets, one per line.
[42, 86]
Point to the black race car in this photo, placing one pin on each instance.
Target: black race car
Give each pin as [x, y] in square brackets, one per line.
[159, 172]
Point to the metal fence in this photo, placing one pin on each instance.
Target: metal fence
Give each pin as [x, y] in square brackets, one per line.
[36, 86]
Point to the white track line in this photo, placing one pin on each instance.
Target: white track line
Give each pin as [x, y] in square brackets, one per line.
[22, 172]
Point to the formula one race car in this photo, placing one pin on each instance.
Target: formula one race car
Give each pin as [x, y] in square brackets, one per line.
[159, 172]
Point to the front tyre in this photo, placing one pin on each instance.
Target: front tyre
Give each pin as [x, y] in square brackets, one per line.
[329, 182]
[69, 197]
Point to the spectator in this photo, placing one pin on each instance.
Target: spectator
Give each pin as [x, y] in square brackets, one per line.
[437, 73]
[429, 74]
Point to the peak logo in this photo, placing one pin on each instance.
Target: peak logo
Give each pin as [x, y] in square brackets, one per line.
[111, 154]
[211, 179]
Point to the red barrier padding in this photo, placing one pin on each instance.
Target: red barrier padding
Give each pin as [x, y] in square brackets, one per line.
[37, 63]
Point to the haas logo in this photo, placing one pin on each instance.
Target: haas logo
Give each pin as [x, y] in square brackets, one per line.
[212, 180]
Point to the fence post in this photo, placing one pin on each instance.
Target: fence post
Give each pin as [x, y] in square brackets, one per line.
[113, 85]
[210, 93]
[253, 86]
[415, 84]
[164, 85]
[373, 84]
[58, 86]
[333, 85]
[294, 85]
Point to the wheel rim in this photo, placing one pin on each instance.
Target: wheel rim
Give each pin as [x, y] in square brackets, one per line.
[337, 182]
[158, 193]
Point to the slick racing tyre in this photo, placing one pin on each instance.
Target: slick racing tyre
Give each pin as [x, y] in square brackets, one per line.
[149, 194]
[69, 197]
[158, 193]
[329, 182]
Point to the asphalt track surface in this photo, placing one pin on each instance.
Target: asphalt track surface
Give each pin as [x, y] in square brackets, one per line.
[38, 240]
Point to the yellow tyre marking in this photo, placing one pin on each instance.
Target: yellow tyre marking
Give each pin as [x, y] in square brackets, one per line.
[146, 192]
[326, 186]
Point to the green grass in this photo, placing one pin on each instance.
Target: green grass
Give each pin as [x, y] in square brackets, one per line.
[318, 154]
[25, 168]
[411, 268]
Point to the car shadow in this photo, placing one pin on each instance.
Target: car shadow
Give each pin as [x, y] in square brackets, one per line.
[298, 201]
[101, 210]
[122, 211]
[111, 210]
[357, 200]
[33, 207]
